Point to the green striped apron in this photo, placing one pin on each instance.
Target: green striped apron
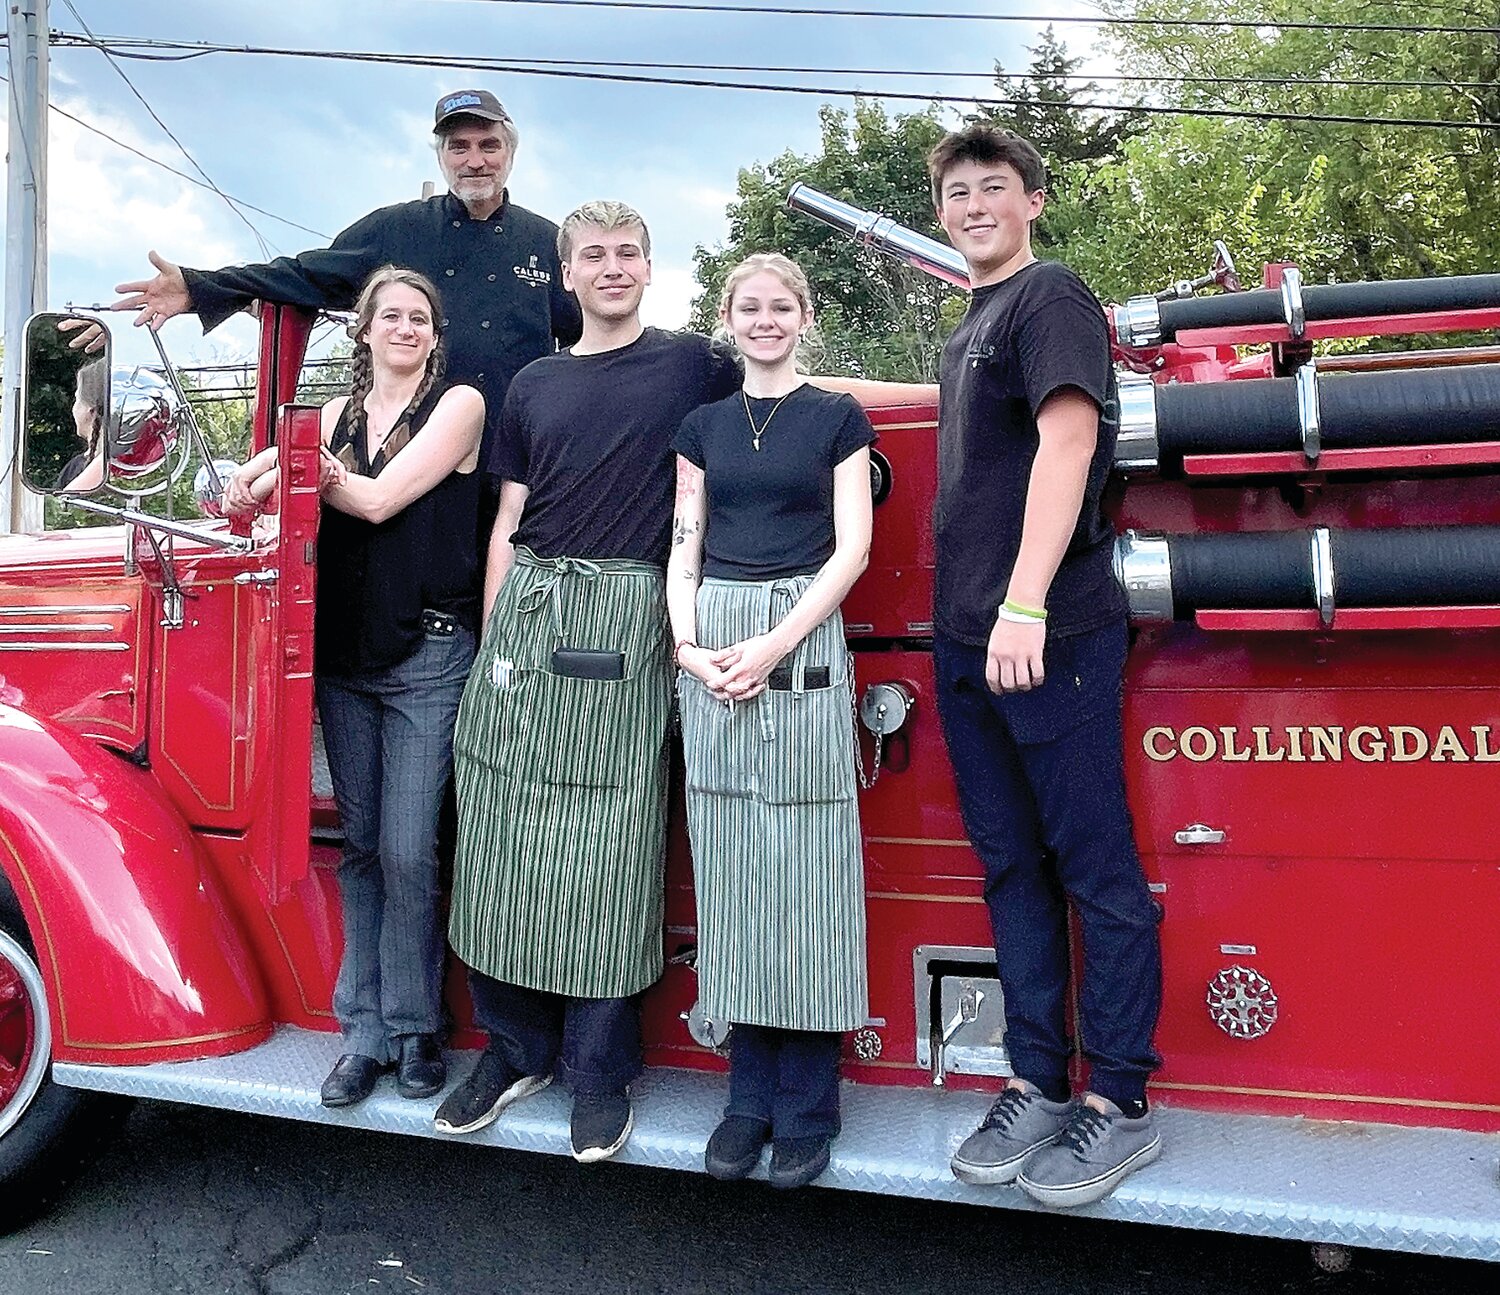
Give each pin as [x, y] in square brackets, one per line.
[562, 784]
[777, 860]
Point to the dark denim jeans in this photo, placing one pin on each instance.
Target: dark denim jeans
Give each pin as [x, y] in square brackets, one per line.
[787, 1078]
[389, 738]
[592, 1044]
[1041, 783]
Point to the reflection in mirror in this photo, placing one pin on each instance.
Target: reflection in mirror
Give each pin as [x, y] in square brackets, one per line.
[66, 399]
[207, 488]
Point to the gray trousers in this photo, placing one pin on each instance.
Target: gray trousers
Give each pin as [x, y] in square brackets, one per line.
[389, 737]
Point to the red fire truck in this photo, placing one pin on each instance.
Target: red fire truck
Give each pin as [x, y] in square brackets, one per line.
[1312, 552]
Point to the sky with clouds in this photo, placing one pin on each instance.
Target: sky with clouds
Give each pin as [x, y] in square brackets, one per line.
[321, 143]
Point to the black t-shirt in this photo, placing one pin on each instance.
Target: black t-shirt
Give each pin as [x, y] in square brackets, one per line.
[770, 511]
[590, 436]
[1023, 339]
[376, 578]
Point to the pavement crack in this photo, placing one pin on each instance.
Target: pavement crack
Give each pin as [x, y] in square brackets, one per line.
[289, 1253]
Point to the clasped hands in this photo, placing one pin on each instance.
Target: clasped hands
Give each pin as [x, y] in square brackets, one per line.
[737, 672]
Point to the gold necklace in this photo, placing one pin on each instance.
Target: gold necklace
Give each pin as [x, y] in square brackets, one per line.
[757, 432]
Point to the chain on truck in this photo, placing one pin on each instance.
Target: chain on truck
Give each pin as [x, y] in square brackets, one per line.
[1311, 550]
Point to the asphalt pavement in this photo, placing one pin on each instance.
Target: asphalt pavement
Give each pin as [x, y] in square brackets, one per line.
[199, 1201]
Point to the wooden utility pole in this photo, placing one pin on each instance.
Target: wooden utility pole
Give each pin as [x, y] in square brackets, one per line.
[25, 238]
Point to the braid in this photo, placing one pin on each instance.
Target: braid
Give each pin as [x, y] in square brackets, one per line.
[361, 381]
[437, 366]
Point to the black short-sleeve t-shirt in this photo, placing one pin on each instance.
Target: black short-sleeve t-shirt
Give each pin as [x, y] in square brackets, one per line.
[1023, 339]
[770, 511]
[590, 436]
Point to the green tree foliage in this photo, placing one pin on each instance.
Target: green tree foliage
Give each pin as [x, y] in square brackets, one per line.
[876, 317]
[1344, 201]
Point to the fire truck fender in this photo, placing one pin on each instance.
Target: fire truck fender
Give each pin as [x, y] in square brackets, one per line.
[135, 939]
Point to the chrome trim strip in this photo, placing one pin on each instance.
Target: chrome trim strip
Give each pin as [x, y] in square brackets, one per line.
[80, 609]
[65, 647]
[77, 627]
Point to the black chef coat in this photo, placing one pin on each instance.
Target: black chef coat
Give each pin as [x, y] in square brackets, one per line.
[500, 282]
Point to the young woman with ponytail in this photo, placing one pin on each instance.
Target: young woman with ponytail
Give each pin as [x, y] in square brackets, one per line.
[397, 609]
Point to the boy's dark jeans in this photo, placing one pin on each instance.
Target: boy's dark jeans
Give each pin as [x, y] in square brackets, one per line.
[1041, 783]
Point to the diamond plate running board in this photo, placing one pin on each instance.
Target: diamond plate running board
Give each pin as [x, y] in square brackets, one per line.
[1431, 1191]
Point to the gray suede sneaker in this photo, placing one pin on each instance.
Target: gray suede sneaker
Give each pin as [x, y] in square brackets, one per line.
[1094, 1155]
[1020, 1122]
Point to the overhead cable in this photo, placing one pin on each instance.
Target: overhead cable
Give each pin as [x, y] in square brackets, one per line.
[167, 130]
[137, 48]
[1102, 20]
[191, 179]
[824, 91]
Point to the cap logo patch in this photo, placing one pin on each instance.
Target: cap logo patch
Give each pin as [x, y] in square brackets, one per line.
[461, 101]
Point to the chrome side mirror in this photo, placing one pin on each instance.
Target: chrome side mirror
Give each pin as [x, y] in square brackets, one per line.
[65, 401]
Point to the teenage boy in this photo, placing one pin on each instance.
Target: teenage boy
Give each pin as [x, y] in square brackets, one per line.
[1029, 654]
[560, 750]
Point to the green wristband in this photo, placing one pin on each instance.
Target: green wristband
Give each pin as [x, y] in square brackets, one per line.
[1031, 613]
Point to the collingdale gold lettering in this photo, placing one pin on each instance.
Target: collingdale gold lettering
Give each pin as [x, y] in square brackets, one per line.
[1321, 743]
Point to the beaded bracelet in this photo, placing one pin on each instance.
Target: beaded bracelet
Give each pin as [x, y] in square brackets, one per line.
[677, 650]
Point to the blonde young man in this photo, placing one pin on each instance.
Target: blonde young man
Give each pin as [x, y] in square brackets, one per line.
[561, 742]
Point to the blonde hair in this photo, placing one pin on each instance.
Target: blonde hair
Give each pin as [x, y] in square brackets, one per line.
[793, 279]
[362, 365]
[606, 214]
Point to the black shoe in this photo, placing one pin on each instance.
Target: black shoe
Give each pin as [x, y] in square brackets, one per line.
[420, 1068]
[795, 1162]
[352, 1079]
[492, 1085]
[601, 1124]
[734, 1149]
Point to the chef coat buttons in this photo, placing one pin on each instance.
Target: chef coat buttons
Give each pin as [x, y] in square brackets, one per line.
[485, 324]
[449, 273]
[457, 223]
[492, 278]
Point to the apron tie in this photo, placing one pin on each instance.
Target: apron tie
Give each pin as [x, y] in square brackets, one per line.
[548, 588]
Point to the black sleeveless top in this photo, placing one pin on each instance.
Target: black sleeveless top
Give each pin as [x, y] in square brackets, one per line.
[376, 578]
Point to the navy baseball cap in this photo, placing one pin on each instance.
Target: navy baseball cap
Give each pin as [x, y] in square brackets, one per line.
[468, 103]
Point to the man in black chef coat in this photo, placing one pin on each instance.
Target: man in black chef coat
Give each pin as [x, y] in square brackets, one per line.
[494, 263]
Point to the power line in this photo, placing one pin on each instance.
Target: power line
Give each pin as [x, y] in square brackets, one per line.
[191, 179]
[181, 147]
[1237, 114]
[1103, 20]
[129, 47]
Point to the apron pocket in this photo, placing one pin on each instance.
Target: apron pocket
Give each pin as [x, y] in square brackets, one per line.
[564, 731]
[810, 757]
[718, 747]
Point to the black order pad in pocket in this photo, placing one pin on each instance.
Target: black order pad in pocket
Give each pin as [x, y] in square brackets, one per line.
[585, 663]
[813, 678]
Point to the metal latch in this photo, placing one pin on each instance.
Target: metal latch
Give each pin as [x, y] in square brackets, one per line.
[269, 577]
[1199, 834]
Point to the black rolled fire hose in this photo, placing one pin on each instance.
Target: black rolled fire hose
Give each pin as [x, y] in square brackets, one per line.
[1169, 577]
[1145, 321]
[1309, 413]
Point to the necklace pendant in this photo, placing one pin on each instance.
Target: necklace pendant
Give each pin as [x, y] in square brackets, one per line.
[755, 440]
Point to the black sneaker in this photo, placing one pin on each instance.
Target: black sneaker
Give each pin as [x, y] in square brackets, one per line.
[601, 1124]
[734, 1149]
[492, 1085]
[795, 1162]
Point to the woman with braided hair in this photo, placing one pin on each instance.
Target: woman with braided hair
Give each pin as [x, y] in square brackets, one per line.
[397, 608]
